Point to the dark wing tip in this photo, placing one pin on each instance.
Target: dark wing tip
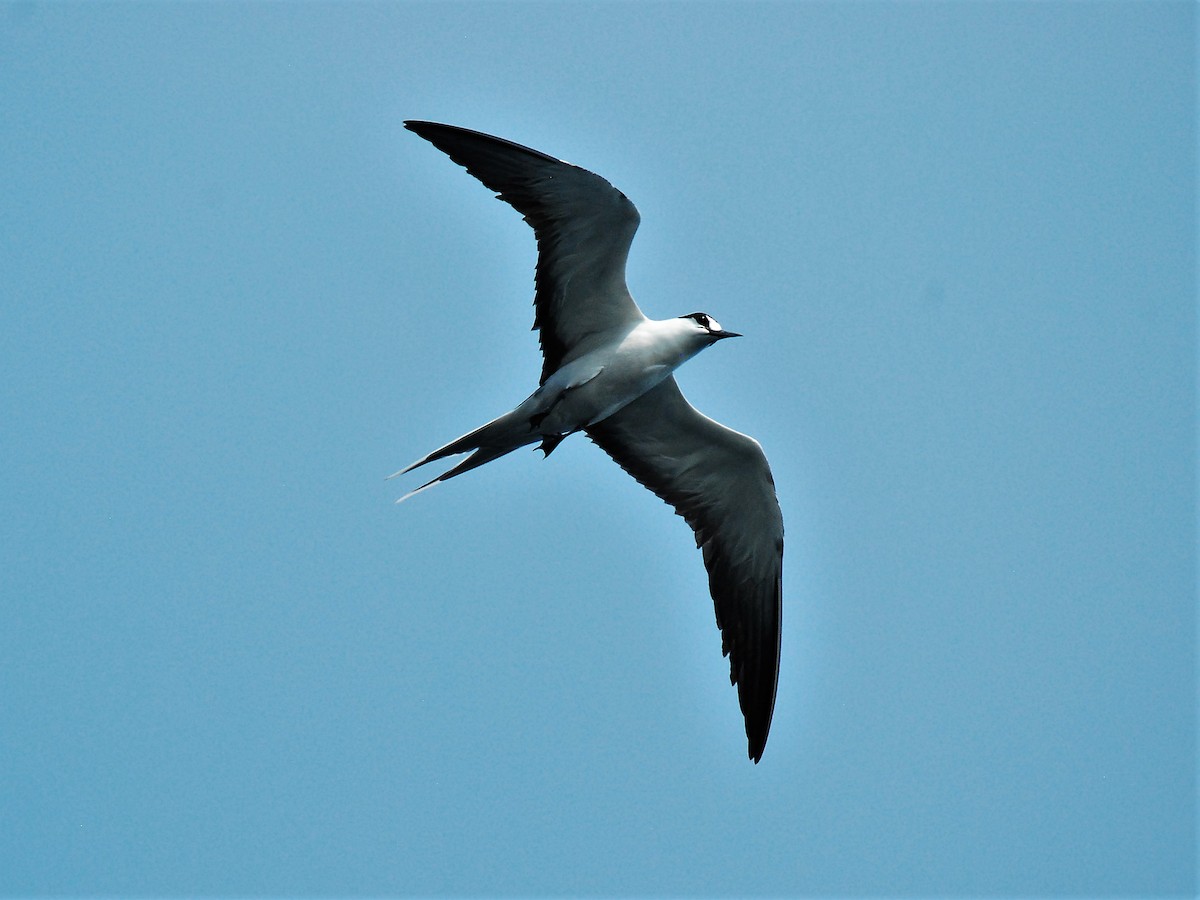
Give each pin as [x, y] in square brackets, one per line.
[749, 615]
[757, 728]
[421, 127]
[756, 695]
[453, 139]
[424, 129]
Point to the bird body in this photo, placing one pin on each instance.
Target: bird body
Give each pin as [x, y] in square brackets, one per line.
[626, 364]
[608, 372]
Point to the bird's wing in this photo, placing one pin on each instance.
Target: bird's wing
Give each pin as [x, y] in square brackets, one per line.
[584, 227]
[719, 481]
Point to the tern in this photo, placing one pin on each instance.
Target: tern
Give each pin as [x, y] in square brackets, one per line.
[607, 371]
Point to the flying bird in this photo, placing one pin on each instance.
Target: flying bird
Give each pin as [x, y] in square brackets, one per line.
[607, 371]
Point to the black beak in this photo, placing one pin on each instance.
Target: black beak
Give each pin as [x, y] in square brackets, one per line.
[718, 335]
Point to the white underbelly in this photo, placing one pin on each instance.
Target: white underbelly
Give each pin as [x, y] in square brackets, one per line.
[597, 397]
[596, 385]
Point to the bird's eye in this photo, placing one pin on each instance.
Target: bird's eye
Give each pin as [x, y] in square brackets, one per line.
[700, 319]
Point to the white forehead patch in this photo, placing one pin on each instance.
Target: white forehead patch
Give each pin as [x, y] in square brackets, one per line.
[714, 325]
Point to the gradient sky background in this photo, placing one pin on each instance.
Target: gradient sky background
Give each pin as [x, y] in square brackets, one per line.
[960, 240]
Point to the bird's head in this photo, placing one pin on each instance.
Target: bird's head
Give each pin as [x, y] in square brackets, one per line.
[709, 327]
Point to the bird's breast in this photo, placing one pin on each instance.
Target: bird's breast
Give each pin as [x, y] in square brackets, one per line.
[594, 386]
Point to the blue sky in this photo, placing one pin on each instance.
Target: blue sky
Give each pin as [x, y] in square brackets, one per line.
[960, 240]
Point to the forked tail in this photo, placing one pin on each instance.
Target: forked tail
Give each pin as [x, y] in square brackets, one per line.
[491, 441]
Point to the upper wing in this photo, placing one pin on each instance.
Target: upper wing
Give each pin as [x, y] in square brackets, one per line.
[719, 481]
[584, 227]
